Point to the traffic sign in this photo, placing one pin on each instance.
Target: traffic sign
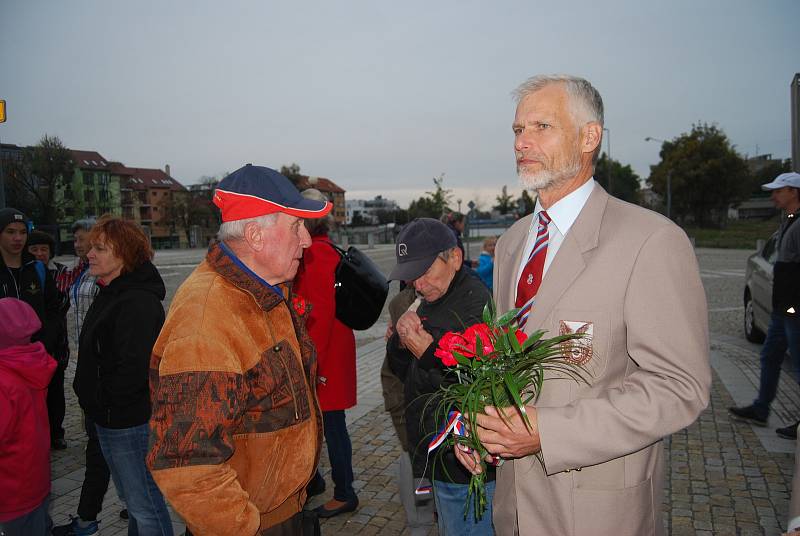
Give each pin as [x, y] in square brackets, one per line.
[2, 111]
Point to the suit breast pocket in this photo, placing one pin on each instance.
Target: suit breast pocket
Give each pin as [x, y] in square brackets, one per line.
[589, 348]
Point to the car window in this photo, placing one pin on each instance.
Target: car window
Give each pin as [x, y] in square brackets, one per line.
[770, 253]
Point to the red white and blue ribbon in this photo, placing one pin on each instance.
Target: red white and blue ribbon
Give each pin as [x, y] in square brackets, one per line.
[454, 425]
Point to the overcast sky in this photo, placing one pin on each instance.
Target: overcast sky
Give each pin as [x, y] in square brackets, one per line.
[382, 96]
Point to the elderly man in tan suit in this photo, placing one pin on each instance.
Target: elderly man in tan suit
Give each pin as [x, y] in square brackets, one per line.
[625, 277]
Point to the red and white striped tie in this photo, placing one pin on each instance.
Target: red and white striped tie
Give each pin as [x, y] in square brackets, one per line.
[531, 277]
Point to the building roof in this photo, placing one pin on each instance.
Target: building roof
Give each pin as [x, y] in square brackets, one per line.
[320, 183]
[145, 178]
[89, 160]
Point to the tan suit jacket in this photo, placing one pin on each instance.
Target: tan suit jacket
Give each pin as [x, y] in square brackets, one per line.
[628, 277]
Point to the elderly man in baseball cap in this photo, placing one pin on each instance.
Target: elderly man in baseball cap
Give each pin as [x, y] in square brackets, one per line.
[236, 430]
[783, 332]
[450, 298]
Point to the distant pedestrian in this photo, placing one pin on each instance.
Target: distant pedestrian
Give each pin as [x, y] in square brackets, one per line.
[784, 326]
[336, 357]
[42, 246]
[486, 261]
[25, 371]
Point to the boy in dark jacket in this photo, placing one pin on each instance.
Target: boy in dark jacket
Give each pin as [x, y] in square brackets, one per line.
[25, 371]
[25, 278]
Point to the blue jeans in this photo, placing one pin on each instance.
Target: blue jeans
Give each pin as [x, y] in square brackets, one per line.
[450, 499]
[783, 333]
[340, 454]
[124, 450]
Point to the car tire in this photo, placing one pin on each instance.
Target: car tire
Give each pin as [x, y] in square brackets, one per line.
[751, 332]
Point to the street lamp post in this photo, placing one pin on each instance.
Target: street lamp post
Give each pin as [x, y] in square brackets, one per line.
[669, 181]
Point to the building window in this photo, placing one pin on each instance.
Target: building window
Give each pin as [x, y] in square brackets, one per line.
[88, 178]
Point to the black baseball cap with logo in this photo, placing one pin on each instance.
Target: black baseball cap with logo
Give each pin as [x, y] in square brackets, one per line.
[418, 245]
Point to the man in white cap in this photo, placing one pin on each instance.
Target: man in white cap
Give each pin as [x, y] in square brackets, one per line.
[784, 326]
[236, 430]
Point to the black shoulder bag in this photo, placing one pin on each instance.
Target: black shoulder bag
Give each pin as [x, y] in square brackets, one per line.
[361, 289]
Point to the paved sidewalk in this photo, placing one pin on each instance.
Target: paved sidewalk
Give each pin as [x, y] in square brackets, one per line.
[723, 477]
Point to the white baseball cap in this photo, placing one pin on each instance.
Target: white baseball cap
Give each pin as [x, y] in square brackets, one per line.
[784, 179]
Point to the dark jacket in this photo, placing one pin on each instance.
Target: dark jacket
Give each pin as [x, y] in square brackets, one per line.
[116, 340]
[786, 272]
[460, 307]
[44, 300]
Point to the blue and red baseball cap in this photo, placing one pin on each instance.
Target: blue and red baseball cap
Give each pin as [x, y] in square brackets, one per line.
[253, 191]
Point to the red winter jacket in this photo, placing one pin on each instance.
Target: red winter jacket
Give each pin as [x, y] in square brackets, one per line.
[25, 372]
[336, 345]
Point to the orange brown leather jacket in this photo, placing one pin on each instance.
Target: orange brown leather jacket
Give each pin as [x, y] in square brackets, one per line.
[236, 429]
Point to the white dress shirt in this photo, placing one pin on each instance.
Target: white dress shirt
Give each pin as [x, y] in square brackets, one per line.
[562, 214]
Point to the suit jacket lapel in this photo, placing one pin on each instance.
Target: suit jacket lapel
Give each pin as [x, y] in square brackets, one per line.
[570, 260]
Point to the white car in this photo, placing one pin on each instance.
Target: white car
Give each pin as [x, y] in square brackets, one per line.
[758, 290]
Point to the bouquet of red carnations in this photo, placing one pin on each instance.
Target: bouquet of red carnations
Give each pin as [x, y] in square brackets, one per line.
[495, 364]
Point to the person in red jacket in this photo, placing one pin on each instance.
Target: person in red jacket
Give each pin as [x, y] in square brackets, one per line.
[336, 355]
[25, 371]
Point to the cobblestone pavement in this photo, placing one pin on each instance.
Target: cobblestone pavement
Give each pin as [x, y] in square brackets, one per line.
[723, 477]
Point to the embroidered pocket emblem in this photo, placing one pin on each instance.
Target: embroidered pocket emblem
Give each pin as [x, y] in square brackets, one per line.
[578, 351]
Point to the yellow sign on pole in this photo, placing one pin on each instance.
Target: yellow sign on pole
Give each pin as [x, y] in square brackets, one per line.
[2, 111]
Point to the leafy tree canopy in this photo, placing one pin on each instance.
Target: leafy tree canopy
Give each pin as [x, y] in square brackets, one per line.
[624, 182]
[706, 172]
[505, 202]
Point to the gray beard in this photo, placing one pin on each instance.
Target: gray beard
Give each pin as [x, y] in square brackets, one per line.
[546, 178]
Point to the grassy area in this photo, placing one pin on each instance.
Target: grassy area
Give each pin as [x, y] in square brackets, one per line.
[736, 235]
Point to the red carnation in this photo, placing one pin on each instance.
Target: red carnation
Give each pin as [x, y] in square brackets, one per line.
[300, 305]
[449, 343]
[471, 336]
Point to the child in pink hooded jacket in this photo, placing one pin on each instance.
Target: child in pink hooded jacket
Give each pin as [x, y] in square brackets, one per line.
[25, 372]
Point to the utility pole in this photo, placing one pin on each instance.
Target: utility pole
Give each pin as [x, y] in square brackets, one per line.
[2, 178]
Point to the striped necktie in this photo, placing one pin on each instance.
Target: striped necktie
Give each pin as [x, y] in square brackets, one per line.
[531, 276]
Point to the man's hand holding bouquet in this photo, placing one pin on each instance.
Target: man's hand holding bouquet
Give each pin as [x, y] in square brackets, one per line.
[499, 371]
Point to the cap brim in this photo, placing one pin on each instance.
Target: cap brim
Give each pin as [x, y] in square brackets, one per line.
[310, 208]
[772, 186]
[410, 270]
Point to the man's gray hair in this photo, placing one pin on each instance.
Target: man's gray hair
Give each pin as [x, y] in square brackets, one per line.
[234, 230]
[586, 104]
[83, 225]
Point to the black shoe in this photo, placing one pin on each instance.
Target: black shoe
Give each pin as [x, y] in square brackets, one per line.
[748, 414]
[349, 506]
[316, 486]
[788, 432]
[123, 514]
[58, 444]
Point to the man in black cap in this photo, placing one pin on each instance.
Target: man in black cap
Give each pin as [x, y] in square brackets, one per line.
[450, 298]
[25, 278]
[236, 430]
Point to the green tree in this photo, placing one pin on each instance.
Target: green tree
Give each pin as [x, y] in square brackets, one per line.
[525, 203]
[767, 173]
[505, 202]
[46, 168]
[433, 204]
[291, 172]
[624, 181]
[706, 174]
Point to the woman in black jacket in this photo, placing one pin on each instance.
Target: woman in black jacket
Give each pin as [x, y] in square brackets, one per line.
[111, 379]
